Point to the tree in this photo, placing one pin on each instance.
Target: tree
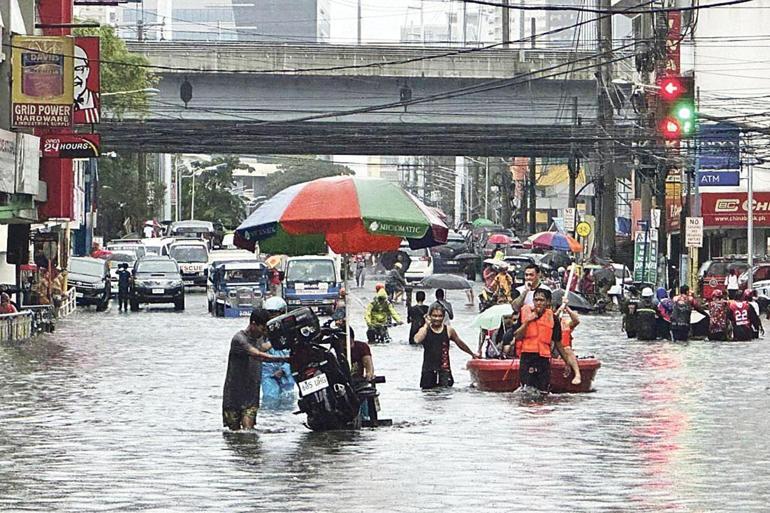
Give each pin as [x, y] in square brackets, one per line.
[121, 70]
[120, 210]
[294, 170]
[214, 199]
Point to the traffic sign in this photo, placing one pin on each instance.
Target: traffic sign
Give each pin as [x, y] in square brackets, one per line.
[694, 232]
[655, 217]
[569, 219]
[583, 229]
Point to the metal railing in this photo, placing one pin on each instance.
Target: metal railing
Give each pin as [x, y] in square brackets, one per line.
[43, 318]
[68, 304]
[16, 326]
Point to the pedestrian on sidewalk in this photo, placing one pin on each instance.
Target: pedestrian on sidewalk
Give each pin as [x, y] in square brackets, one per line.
[243, 381]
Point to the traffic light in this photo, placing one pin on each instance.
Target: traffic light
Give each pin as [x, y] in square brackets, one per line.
[677, 118]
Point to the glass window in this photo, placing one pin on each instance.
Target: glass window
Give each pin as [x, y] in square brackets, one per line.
[310, 270]
[157, 266]
[197, 254]
[87, 267]
[244, 275]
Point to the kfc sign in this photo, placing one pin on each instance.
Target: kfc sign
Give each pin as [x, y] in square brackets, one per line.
[731, 209]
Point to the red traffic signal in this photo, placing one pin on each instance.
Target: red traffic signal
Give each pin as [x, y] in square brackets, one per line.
[670, 128]
[671, 88]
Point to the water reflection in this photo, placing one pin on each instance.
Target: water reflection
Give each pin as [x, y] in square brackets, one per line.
[122, 412]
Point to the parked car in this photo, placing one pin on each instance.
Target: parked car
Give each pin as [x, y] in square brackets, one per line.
[238, 288]
[421, 263]
[714, 276]
[156, 279]
[193, 258]
[90, 277]
[443, 256]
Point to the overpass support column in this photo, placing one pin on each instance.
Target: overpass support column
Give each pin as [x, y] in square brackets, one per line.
[532, 194]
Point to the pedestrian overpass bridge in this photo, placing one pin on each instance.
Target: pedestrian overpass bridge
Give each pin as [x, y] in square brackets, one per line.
[371, 100]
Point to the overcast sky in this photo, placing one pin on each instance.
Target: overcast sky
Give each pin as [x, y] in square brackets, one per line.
[382, 19]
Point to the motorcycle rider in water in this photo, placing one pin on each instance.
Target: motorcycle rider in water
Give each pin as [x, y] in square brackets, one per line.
[379, 313]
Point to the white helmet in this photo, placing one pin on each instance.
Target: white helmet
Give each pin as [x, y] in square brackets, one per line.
[275, 304]
[647, 292]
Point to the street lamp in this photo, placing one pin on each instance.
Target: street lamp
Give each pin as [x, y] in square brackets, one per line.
[193, 175]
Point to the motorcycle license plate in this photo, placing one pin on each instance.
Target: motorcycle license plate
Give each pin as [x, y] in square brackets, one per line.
[157, 291]
[314, 384]
[78, 294]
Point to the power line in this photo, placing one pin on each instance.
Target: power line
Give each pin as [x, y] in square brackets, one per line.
[604, 11]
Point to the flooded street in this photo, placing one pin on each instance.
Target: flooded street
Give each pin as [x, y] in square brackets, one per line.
[122, 412]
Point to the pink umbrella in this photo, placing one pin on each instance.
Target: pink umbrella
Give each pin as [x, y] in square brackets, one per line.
[499, 238]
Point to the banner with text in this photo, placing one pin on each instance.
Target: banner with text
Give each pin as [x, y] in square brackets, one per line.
[42, 88]
[70, 146]
[730, 209]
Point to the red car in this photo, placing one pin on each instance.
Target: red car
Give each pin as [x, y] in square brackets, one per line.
[716, 272]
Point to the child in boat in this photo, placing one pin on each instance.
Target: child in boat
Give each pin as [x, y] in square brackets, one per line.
[568, 320]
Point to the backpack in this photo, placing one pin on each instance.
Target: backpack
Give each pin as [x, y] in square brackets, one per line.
[680, 314]
[718, 317]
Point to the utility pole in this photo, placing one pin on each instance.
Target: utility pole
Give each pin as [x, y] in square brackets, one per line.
[506, 19]
[606, 123]
[532, 195]
[141, 181]
[573, 164]
[359, 22]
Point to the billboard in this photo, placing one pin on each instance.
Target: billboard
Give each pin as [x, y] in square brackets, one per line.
[719, 147]
[70, 146]
[730, 209]
[86, 81]
[42, 88]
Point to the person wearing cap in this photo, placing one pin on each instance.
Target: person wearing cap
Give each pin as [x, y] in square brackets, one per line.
[277, 382]
[243, 380]
[646, 316]
[124, 286]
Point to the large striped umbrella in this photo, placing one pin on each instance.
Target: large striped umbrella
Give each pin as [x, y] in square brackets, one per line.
[555, 240]
[350, 214]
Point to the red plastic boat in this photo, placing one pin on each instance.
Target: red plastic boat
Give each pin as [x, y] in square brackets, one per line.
[503, 375]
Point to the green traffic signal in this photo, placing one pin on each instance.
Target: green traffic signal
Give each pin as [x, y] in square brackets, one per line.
[684, 112]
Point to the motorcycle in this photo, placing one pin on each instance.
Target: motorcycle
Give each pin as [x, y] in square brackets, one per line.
[379, 334]
[328, 396]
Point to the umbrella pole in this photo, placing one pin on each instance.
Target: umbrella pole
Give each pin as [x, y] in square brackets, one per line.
[569, 279]
[348, 342]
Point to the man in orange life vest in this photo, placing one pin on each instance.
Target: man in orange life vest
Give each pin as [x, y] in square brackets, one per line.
[539, 329]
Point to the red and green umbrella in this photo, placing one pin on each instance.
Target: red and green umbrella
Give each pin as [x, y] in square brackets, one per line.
[350, 214]
[555, 240]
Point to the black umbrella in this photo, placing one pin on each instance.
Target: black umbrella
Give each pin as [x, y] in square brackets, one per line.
[467, 256]
[576, 301]
[444, 281]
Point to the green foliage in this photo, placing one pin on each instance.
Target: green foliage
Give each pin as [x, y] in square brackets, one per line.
[121, 71]
[213, 199]
[294, 170]
[123, 205]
